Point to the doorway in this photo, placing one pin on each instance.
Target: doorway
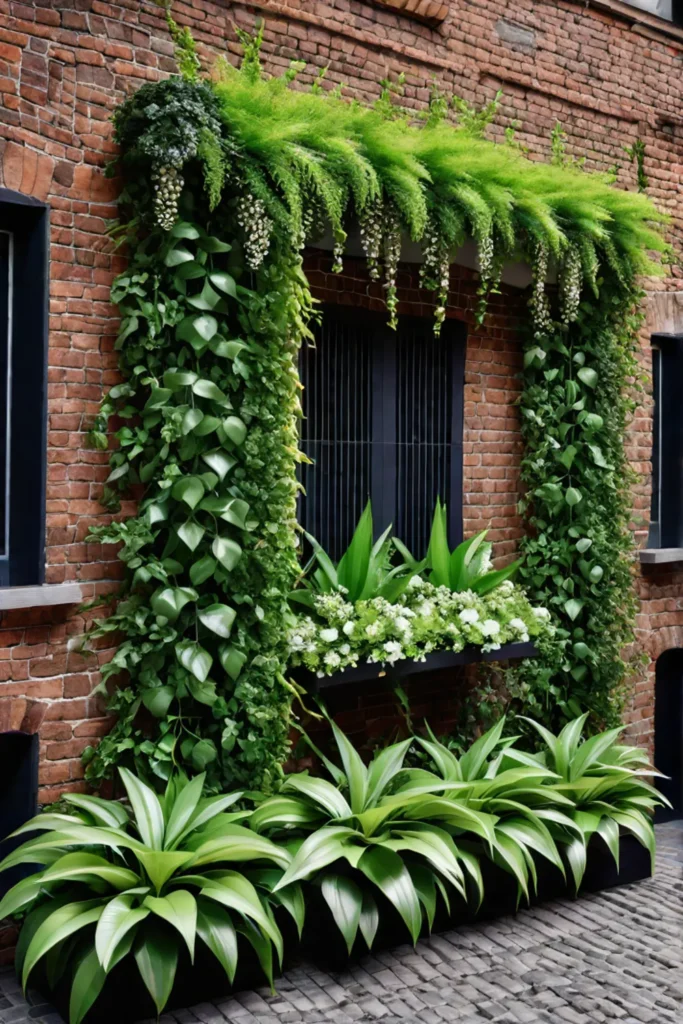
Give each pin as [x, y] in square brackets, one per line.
[669, 730]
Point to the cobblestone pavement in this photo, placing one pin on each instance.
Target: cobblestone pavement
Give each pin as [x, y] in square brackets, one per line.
[616, 956]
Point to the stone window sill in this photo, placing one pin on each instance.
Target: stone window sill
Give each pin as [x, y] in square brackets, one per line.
[40, 597]
[660, 556]
[431, 11]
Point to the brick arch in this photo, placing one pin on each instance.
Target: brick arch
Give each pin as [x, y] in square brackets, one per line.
[665, 639]
[21, 714]
[25, 170]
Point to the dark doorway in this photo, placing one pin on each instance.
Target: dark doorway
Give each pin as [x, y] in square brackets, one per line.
[669, 730]
[18, 795]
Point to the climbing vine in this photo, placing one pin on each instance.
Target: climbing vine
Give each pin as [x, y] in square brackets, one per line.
[224, 183]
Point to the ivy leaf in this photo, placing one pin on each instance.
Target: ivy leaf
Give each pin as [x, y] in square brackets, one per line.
[583, 545]
[194, 658]
[228, 552]
[567, 456]
[158, 398]
[211, 244]
[170, 601]
[207, 389]
[205, 326]
[191, 419]
[204, 692]
[534, 355]
[236, 513]
[588, 376]
[218, 618]
[177, 256]
[573, 607]
[549, 492]
[224, 282]
[593, 421]
[189, 489]
[232, 660]
[573, 496]
[156, 513]
[596, 573]
[158, 700]
[235, 428]
[581, 650]
[207, 299]
[579, 673]
[202, 570]
[181, 229]
[203, 753]
[207, 426]
[190, 533]
[174, 379]
[228, 349]
[598, 457]
[219, 462]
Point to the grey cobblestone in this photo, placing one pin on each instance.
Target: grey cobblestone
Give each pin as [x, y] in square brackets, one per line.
[612, 958]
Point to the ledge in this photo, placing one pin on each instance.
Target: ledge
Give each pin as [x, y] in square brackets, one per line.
[40, 597]
[431, 11]
[636, 16]
[433, 662]
[660, 556]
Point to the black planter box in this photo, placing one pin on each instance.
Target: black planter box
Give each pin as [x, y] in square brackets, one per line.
[402, 669]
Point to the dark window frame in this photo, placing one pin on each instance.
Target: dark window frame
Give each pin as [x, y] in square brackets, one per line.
[389, 454]
[28, 221]
[667, 443]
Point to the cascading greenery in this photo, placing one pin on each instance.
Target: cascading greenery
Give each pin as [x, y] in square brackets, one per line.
[224, 184]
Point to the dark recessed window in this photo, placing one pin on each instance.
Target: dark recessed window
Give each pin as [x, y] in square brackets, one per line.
[23, 383]
[666, 507]
[383, 420]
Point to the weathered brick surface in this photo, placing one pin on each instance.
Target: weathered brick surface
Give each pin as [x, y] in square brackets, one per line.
[65, 64]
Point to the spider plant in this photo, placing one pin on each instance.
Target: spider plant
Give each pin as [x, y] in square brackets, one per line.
[363, 572]
[145, 881]
[464, 568]
[357, 836]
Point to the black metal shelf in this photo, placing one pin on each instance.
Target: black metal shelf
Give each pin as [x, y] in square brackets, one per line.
[402, 669]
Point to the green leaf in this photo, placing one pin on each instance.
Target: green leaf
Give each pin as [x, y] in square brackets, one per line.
[233, 890]
[203, 754]
[189, 489]
[583, 545]
[228, 552]
[105, 812]
[345, 899]
[177, 256]
[219, 462]
[207, 299]
[179, 909]
[157, 959]
[210, 244]
[207, 389]
[218, 618]
[598, 457]
[202, 570]
[235, 428]
[205, 326]
[117, 919]
[572, 496]
[182, 810]
[89, 867]
[232, 660]
[386, 870]
[217, 931]
[61, 923]
[356, 772]
[369, 919]
[588, 376]
[192, 419]
[149, 817]
[204, 692]
[182, 229]
[175, 379]
[158, 700]
[88, 982]
[195, 659]
[224, 282]
[573, 607]
[190, 534]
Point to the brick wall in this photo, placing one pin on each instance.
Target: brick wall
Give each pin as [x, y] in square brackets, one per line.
[65, 64]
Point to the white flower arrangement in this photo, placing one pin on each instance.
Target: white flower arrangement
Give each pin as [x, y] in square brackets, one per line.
[337, 634]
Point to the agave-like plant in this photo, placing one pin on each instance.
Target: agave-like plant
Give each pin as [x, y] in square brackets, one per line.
[464, 568]
[364, 570]
[607, 784]
[365, 837]
[145, 881]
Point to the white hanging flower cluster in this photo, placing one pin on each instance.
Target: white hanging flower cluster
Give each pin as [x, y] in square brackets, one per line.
[257, 227]
[539, 302]
[340, 237]
[392, 255]
[485, 252]
[371, 237]
[571, 283]
[435, 271]
[168, 184]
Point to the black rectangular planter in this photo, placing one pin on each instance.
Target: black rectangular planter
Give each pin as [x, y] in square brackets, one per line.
[402, 669]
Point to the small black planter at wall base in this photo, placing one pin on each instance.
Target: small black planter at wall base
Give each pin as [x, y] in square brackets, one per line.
[402, 669]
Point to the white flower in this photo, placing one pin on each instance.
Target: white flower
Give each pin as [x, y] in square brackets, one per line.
[426, 609]
[296, 642]
[394, 650]
[506, 587]
[401, 623]
[518, 624]
[332, 659]
[415, 582]
[486, 562]
[348, 628]
[311, 648]
[469, 615]
[490, 627]
[329, 635]
[541, 613]
[372, 629]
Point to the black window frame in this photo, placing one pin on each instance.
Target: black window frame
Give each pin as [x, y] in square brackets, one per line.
[385, 445]
[28, 222]
[666, 510]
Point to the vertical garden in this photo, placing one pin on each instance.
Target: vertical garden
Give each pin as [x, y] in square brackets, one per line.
[225, 180]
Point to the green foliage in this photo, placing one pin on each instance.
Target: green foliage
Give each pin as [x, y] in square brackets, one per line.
[467, 567]
[636, 154]
[475, 121]
[575, 408]
[147, 882]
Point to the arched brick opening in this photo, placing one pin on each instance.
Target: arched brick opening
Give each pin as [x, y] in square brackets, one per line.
[669, 728]
[20, 720]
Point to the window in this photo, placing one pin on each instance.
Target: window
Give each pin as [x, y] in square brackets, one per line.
[666, 510]
[383, 420]
[670, 10]
[23, 377]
